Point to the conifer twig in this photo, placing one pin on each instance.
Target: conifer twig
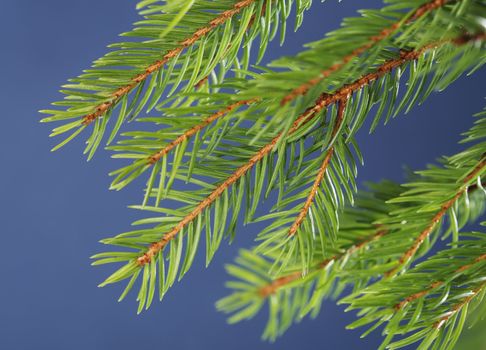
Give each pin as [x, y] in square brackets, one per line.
[278, 283]
[284, 280]
[383, 35]
[436, 284]
[322, 171]
[459, 306]
[102, 108]
[436, 219]
[189, 133]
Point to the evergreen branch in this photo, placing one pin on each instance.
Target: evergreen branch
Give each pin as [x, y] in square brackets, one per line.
[442, 190]
[170, 57]
[434, 285]
[383, 35]
[458, 17]
[102, 108]
[322, 171]
[129, 173]
[154, 250]
[292, 296]
[227, 187]
[405, 56]
[292, 132]
[281, 282]
[324, 101]
[458, 307]
[123, 177]
[437, 218]
[240, 172]
[219, 114]
[298, 295]
[302, 247]
[458, 272]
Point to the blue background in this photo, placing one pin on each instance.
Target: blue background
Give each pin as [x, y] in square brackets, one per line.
[55, 207]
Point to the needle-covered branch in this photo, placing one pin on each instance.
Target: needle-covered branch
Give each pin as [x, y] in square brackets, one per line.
[223, 136]
[383, 35]
[167, 52]
[381, 227]
[266, 114]
[428, 304]
[193, 218]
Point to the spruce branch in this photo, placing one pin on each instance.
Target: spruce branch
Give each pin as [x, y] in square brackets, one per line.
[324, 101]
[281, 282]
[384, 34]
[301, 246]
[477, 171]
[127, 174]
[434, 285]
[289, 129]
[195, 216]
[166, 56]
[379, 239]
[102, 108]
[322, 171]
[239, 173]
[363, 36]
[220, 114]
[123, 177]
[457, 280]
[293, 296]
[459, 306]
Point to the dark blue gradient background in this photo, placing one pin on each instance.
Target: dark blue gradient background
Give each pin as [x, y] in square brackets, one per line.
[55, 207]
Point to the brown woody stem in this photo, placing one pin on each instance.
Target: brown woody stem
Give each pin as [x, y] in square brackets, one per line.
[320, 175]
